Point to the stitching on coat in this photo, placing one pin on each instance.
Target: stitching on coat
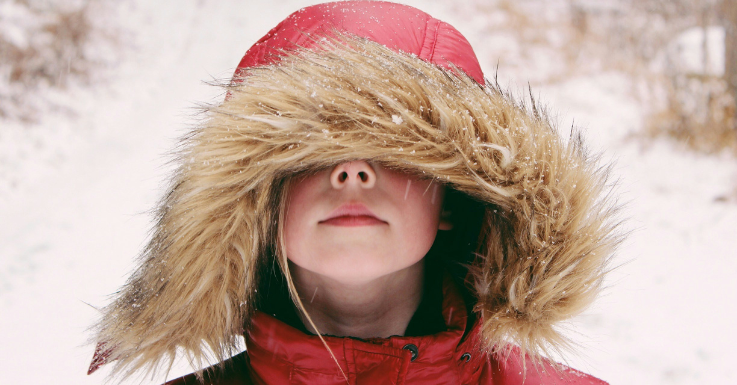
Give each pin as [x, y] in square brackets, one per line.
[435, 39]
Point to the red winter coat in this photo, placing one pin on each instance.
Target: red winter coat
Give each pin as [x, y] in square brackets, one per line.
[280, 354]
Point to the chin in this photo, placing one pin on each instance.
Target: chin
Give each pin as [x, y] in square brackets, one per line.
[362, 268]
[357, 270]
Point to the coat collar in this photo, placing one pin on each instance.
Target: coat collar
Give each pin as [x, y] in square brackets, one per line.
[277, 349]
[278, 353]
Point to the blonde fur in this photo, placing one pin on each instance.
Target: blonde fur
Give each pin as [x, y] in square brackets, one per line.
[547, 232]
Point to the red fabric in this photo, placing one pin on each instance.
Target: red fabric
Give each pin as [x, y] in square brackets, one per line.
[100, 358]
[399, 27]
[280, 354]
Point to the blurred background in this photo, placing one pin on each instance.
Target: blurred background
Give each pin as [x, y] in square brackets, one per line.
[95, 93]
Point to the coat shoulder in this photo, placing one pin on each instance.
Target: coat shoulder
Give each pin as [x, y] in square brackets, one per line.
[233, 371]
[511, 371]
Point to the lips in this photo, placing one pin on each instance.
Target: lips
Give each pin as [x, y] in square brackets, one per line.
[352, 214]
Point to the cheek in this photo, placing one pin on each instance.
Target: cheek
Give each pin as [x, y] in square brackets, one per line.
[424, 198]
[421, 210]
[300, 200]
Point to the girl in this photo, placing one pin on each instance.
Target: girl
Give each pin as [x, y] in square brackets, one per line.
[365, 208]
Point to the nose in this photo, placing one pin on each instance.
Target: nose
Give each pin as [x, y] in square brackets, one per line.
[357, 173]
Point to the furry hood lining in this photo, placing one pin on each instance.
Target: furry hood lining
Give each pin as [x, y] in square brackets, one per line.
[547, 233]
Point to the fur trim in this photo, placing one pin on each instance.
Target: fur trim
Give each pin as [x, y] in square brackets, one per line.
[547, 229]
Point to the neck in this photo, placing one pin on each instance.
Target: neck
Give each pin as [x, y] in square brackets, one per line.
[378, 308]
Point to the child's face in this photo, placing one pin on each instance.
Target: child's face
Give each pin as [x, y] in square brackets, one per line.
[360, 221]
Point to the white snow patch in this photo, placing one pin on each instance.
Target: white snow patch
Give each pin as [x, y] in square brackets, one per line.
[698, 51]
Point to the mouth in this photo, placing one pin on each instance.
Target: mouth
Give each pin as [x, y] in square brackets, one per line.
[352, 214]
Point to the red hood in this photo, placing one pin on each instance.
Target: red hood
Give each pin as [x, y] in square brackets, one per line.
[399, 27]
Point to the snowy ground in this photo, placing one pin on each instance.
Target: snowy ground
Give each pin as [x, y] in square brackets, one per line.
[75, 190]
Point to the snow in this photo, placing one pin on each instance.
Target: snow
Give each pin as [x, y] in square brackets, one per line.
[76, 189]
[687, 53]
